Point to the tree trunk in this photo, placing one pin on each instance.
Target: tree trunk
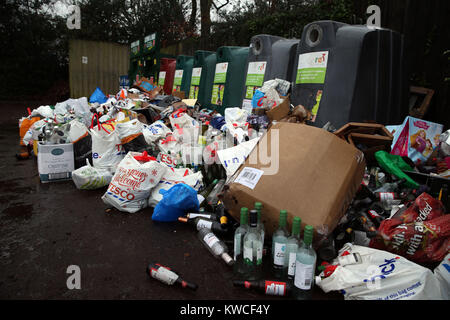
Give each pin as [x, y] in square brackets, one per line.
[193, 16]
[205, 11]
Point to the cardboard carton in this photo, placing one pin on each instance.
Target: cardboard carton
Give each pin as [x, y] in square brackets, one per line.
[55, 162]
[318, 175]
[280, 111]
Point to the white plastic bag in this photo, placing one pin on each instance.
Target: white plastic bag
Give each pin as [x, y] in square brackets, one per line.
[235, 117]
[77, 130]
[182, 120]
[107, 150]
[89, 178]
[157, 130]
[129, 128]
[44, 111]
[442, 273]
[381, 275]
[132, 183]
[172, 177]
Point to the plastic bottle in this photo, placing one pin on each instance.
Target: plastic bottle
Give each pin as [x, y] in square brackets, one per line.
[305, 266]
[252, 250]
[279, 240]
[292, 245]
[215, 245]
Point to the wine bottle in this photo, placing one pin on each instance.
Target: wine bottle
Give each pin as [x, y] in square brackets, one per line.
[279, 240]
[215, 245]
[260, 227]
[292, 245]
[239, 234]
[253, 248]
[305, 266]
[200, 223]
[167, 276]
[204, 214]
[268, 287]
[204, 194]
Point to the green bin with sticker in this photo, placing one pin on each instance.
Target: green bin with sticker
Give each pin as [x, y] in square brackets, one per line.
[202, 77]
[183, 71]
[229, 77]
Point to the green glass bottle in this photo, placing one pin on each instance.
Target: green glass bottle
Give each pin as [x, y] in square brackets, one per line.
[305, 266]
[252, 251]
[292, 245]
[239, 235]
[279, 240]
[260, 227]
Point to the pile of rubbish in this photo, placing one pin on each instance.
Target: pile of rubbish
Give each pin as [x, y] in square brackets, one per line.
[388, 239]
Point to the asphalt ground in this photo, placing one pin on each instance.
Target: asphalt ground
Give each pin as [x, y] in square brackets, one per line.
[45, 228]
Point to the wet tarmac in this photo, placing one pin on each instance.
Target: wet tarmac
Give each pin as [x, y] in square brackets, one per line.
[45, 228]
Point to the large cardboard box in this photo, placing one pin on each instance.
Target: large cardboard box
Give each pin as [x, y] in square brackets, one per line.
[55, 162]
[314, 176]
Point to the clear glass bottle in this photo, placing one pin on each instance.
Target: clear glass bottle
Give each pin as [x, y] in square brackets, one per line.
[217, 247]
[292, 245]
[260, 227]
[239, 234]
[305, 266]
[252, 250]
[279, 240]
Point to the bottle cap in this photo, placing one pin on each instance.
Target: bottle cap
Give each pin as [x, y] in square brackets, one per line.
[253, 219]
[182, 219]
[308, 234]
[296, 225]
[244, 215]
[227, 258]
[283, 217]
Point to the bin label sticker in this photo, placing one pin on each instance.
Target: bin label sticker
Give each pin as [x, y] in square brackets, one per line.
[255, 73]
[195, 83]
[196, 74]
[249, 177]
[161, 78]
[135, 47]
[217, 94]
[150, 41]
[312, 67]
[177, 80]
[220, 75]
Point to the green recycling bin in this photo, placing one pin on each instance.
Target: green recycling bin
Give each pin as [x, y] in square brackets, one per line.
[183, 71]
[202, 77]
[229, 78]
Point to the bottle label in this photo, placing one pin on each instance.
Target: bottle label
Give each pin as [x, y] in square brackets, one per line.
[385, 196]
[199, 215]
[204, 224]
[164, 275]
[275, 288]
[200, 199]
[373, 213]
[291, 265]
[210, 239]
[279, 251]
[303, 275]
[248, 255]
[237, 245]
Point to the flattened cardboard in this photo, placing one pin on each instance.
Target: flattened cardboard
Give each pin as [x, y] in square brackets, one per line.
[179, 94]
[317, 178]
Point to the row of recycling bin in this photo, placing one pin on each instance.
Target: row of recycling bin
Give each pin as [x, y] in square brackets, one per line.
[342, 73]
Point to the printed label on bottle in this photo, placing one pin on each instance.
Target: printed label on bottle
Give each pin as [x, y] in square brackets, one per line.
[199, 215]
[279, 251]
[385, 196]
[248, 255]
[204, 224]
[200, 200]
[164, 275]
[210, 239]
[275, 288]
[291, 266]
[373, 213]
[237, 245]
[303, 275]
